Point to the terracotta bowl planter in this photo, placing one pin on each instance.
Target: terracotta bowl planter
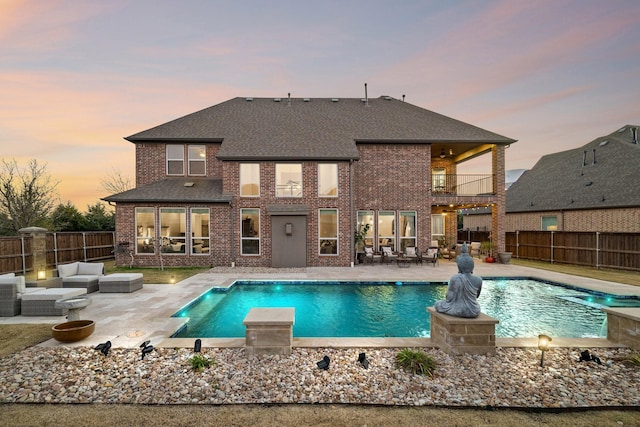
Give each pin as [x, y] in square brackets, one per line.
[73, 331]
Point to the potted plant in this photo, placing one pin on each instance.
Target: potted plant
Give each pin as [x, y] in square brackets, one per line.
[358, 240]
[504, 257]
[486, 248]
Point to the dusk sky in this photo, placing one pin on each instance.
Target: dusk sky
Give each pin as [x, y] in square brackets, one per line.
[76, 76]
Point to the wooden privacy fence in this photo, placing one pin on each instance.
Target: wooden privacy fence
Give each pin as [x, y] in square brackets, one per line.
[17, 254]
[593, 249]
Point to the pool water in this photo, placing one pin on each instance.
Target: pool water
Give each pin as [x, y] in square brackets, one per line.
[524, 308]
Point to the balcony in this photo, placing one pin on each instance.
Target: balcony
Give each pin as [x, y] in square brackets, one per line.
[462, 185]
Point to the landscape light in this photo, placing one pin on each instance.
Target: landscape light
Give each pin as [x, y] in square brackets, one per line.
[324, 363]
[197, 346]
[42, 274]
[543, 345]
[362, 358]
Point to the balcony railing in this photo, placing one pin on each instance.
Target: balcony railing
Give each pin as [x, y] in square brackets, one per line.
[462, 185]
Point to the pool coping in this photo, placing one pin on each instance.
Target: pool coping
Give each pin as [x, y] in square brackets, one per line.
[129, 319]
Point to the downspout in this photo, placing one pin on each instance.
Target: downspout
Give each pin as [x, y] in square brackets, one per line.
[233, 238]
[353, 225]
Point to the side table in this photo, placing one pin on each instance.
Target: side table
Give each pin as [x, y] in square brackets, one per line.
[74, 305]
[52, 282]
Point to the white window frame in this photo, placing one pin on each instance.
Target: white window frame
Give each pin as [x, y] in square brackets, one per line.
[290, 188]
[411, 239]
[327, 171]
[364, 218]
[249, 167]
[328, 240]
[437, 226]
[255, 228]
[392, 236]
[174, 158]
[203, 240]
[548, 227]
[145, 233]
[197, 154]
[170, 239]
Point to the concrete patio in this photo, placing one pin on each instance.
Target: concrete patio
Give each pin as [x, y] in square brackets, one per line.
[128, 319]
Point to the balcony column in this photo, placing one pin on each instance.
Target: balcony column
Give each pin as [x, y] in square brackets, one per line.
[498, 210]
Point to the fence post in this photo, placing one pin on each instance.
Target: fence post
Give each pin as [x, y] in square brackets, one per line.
[552, 247]
[517, 243]
[597, 250]
[84, 245]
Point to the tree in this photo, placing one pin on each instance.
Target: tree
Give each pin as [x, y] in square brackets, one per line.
[98, 219]
[27, 195]
[115, 182]
[67, 218]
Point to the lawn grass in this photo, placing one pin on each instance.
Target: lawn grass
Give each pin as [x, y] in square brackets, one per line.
[618, 276]
[156, 275]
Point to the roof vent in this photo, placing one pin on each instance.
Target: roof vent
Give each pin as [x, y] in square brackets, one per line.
[277, 99]
[335, 99]
[188, 184]
[306, 99]
[248, 99]
[388, 98]
[603, 143]
[634, 135]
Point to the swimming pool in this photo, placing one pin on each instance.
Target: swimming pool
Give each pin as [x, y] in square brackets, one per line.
[525, 308]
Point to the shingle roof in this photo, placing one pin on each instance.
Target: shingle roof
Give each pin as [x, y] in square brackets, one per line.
[572, 180]
[178, 190]
[316, 128]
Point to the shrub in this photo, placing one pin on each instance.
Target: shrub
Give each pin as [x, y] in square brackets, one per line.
[634, 359]
[198, 362]
[416, 361]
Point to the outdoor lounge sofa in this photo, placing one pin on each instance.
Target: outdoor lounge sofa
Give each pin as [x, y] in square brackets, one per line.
[11, 289]
[42, 302]
[81, 275]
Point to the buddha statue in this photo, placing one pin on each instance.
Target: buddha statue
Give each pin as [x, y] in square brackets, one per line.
[463, 291]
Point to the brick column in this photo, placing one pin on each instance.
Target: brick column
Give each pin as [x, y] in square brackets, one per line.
[498, 210]
[38, 249]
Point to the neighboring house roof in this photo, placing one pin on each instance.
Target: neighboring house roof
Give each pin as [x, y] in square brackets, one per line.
[178, 190]
[312, 128]
[601, 174]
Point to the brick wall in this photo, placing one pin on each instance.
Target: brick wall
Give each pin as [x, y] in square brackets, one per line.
[623, 220]
[395, 177]
[151, 162]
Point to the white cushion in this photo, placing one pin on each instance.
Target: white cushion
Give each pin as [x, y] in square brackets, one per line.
[432, 252]
[368, 250]
[66, 270]
[387, 250]
[411, 251]
[17, 281]
[90, 268]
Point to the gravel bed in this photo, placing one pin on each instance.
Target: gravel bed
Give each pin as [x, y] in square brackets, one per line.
[511, 378]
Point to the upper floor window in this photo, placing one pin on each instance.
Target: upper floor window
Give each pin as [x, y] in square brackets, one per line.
[249, 179]
[288, 180]
[197, 160]
[175, 159]
[327, 180]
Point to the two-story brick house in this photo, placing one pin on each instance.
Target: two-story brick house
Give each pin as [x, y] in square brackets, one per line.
[285, 182]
